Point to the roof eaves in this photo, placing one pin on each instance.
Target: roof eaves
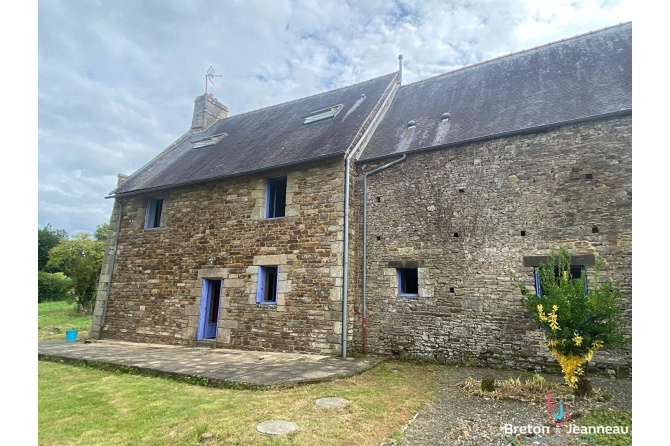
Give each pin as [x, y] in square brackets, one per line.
[522, 131]
[223, 177]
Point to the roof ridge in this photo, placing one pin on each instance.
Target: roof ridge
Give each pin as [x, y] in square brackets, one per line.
[307, 97]
[527, 50]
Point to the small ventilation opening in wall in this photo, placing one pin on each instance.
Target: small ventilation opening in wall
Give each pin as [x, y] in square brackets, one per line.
[451, 290]
[379, 199]
[461, 190]
[523, 233]
[595, 229]
[589, 176]
[379, 237]
[455, 234]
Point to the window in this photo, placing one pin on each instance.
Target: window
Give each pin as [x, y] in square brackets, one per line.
[276, 198]
[408, 282]
[325, 113]
[154, 211]
[576, 272]
[268, 281]
[208, 141]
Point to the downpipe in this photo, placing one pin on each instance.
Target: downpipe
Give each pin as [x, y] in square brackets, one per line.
[347, 186]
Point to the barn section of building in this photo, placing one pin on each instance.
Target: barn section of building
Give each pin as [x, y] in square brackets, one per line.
[496, 163]
[504, 160]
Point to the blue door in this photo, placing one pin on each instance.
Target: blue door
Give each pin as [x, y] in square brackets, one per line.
[209, 309]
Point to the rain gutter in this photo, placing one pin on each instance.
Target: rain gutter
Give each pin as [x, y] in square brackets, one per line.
[522, 131]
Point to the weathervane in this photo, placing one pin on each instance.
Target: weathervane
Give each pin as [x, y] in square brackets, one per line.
[209, 77]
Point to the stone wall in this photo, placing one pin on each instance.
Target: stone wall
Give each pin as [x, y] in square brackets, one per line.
[107, 267]
[571, 185]
[217, 230]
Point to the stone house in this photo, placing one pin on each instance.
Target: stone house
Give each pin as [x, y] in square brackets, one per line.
[382, 217]
[234, 234]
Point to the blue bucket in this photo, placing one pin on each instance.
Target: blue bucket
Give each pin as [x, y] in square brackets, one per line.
[70, 335]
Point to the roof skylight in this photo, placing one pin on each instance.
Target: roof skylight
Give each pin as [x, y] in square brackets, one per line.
[209, 141]
[325, 113]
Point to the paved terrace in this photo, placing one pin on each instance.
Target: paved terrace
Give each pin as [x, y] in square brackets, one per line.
[221, 367]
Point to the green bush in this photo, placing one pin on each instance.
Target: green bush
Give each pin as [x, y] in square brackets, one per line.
[576, 320]
[52, 286]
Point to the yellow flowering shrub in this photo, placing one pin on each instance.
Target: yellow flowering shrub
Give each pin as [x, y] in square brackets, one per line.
[572, 365]
[582, 319]
[551, 318]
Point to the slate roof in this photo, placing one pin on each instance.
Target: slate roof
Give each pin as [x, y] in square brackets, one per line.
[576, 78]
[263, 139]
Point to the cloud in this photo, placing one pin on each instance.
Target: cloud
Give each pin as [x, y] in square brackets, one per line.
[117, 79]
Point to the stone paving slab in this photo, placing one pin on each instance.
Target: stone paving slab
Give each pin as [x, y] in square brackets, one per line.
[257, 369]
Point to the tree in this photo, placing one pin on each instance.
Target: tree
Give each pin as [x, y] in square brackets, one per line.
[100, 233]
[52, 287]
[80, 259]
[47, 238]
[575, 320]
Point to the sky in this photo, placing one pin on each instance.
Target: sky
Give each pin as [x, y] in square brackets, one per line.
[117, 80]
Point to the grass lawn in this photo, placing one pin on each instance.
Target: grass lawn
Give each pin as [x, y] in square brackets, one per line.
[85, 406]
[603, 417]
[62, 315]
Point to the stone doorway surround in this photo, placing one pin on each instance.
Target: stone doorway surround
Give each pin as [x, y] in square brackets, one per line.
[193, 311]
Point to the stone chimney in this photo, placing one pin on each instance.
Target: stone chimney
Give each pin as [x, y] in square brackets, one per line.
[120, 178]
[207, 111]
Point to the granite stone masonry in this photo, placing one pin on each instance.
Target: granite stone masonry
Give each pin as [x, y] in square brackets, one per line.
[502, 160]
[218, 230]
[467, 215]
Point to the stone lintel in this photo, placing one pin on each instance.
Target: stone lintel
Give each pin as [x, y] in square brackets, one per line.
[579, 259]
[213, 273]
[406, 263]
[270, 260]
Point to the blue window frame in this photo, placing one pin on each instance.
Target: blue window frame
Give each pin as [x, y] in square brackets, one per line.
[576, 272]
[154, 212]
[268, 284]
[276, 198]
[408, 281]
